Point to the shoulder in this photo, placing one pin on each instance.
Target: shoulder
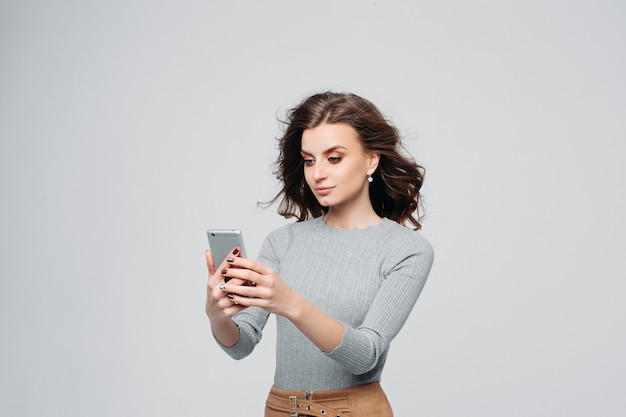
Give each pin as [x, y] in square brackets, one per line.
[403, 235]
[286, 234]
[286, 239]
[404, 243]
[294, 228]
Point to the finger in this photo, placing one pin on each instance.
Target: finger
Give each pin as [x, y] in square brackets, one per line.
[235, 253]
[236, 308]
[245, 276]
[251, 270]
[250, 264]
[246, 291]
[209, 262]
[234, 282]
[233, 286]
[245, 300]
[231, 307]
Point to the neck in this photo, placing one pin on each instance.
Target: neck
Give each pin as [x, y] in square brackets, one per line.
[351, 220]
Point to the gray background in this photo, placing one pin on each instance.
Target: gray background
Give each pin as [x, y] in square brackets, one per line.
[130, 127]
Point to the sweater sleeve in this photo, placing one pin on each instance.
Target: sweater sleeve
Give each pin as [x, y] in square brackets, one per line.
[251, 322]
[362, 347]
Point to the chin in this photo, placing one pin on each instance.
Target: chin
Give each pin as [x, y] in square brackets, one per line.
[323, 202]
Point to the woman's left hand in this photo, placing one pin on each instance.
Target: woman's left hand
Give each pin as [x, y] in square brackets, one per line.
[265, 289]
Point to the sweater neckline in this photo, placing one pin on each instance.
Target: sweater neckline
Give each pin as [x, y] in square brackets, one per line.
[369, 230]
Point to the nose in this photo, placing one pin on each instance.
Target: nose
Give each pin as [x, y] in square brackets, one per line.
[318, 172]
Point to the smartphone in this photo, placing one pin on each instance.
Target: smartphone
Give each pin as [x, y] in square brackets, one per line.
[222, 242]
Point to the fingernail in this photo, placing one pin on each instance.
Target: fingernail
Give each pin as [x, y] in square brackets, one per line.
[230, 259]
[235, 251]
[222, 286]
[230, 296]
[224, 271]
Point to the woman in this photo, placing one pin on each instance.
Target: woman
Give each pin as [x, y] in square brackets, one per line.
[343, 279]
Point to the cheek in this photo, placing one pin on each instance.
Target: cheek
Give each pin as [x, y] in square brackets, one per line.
[355, 173]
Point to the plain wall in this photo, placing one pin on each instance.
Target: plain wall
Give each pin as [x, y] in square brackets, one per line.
[128, 128]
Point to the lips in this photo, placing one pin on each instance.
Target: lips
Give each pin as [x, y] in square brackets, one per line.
[323, 190]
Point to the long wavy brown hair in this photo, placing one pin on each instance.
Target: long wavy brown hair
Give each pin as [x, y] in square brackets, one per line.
[395, 189]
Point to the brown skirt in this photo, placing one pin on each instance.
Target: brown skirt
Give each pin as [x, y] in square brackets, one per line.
[367, 400]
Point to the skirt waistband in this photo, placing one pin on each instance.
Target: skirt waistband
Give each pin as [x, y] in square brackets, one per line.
[328, 403]
[327, 394]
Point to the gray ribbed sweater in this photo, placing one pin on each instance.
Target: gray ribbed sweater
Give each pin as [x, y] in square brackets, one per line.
[368, 279]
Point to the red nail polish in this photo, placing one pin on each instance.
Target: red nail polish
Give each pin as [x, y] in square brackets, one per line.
[235, 251]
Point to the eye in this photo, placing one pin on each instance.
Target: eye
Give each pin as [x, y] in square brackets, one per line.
[334, 159]
[308, 161]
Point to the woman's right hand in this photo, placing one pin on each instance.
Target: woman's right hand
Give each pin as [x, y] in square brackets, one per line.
[218, 306]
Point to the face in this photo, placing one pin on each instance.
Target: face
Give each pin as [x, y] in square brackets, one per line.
[336, 166]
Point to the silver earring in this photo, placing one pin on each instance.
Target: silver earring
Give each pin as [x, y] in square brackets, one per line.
[369, 178]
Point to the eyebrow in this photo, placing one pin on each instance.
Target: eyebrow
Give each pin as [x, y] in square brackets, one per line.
[327, 151]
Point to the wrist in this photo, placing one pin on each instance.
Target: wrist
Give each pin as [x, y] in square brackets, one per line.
[297, 308]
[218, 319]
[216, 316]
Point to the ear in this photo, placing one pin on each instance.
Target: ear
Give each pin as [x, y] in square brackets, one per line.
[372, 162]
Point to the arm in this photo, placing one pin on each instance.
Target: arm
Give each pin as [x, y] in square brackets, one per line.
[323, 330]
[363, 345]
[274, 296]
